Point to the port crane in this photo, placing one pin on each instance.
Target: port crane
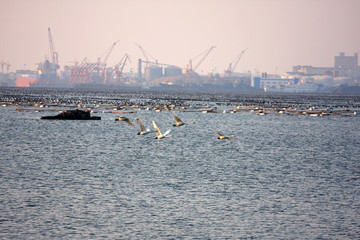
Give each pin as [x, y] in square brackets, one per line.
[122, 64]
[234, 64]
[53, 53]
[84, 73]
[204, 54]
[157, 63]
[117, 68]
[81, 73]
[107, 52]
[191, 76]
[146, 54]
[147, 61]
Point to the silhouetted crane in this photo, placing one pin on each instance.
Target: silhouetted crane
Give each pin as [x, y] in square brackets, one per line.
[117, 68]
[107, 52]
[205, 54]
[232, 67]
[146, 54]
[53, 53]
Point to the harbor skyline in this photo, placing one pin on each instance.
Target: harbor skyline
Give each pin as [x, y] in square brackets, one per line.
[278, 34]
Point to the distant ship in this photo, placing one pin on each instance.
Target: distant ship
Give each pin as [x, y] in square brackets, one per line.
[45, 74]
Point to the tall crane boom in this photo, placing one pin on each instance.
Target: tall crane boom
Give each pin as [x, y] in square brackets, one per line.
[123, 65]
[238, 59]
[116, 69]
[232, 66]
[206, 53]
[145, 53]
[108, 53]
[53, 53]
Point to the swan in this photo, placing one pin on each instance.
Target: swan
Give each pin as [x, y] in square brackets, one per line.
[222, 136]
[159, 134]
[179, 122]
[143, 131]
[125, 119]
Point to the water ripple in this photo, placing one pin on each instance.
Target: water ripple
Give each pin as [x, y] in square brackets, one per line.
[279, 178]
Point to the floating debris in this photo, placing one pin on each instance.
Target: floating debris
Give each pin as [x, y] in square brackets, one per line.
[72, 115]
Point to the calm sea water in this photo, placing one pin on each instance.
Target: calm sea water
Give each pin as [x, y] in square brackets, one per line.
[281, 177]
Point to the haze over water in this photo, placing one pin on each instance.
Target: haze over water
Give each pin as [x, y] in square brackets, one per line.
[279, 34]
[280, 177]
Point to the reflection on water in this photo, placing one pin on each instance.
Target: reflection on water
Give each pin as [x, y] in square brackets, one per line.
[282, 177]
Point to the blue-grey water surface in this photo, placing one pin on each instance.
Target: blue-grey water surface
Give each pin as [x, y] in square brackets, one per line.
[281, 177]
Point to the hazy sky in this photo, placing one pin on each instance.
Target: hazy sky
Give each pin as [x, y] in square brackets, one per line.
[278, 33]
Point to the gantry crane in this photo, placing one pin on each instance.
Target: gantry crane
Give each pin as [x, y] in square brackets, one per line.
[117, 68]
[81, 74]
[85, 72]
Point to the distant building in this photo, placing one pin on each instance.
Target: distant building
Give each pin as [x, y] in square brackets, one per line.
[349, 62]
[285, 85]
[310, 70]
[347, 66]
[266, 83]
[153, 72]
[7, 79]
[344, 66]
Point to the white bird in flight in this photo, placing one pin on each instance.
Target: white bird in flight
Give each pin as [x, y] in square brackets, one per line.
[179, 122]
[222, 136]
[125, 119]
[159, 134]
[143, 131]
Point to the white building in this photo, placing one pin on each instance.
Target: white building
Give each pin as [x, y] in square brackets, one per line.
[267, 83]
[289, 84]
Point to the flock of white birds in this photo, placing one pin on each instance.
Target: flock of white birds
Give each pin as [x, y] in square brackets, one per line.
[159, 135]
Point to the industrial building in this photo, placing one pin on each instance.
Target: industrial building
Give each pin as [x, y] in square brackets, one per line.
[272, 83]
[349, 62]
[347, 66]
[345, 72]
[344, 66]
[286, 85]
[154, 72]
[310, 70]
[151, 73]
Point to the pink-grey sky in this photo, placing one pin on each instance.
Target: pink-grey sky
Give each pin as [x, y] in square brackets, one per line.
[278, 33]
